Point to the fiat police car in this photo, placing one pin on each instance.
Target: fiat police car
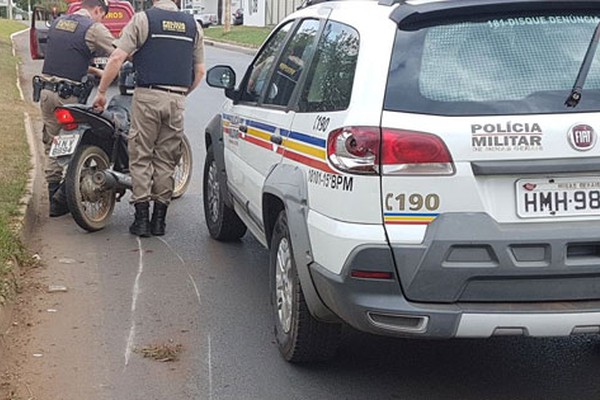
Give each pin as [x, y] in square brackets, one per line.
[429, 172]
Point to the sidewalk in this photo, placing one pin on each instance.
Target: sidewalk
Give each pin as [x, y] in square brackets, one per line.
[230, 46]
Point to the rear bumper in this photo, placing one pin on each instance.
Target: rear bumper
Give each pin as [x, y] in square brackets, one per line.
[469, 257]
[470, 277]
[379, 307]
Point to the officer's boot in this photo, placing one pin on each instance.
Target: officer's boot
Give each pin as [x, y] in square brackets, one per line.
[159, 213]
[58, 199]
[141, 224]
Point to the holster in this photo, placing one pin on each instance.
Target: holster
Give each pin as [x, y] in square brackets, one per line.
[64, 90]
[37, 88]
[87, 85]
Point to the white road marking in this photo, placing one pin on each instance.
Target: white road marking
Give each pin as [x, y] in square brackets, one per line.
[134, 296]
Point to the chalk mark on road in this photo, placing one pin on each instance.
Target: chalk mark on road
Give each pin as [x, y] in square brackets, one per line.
[199, 303]
[209, 368]
[134, 296]
[184, 264]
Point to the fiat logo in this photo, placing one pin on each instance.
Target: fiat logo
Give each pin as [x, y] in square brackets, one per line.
[582, 137]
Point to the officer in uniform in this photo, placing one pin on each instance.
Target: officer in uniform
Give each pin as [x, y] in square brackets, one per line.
[168, 56]
[73, 40]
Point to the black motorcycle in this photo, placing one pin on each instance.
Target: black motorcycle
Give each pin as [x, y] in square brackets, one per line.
[94, 147]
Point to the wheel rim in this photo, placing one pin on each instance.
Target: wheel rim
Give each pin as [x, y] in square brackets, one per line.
[283, 282]
[213, 192]
[182, 171]
[96, 204]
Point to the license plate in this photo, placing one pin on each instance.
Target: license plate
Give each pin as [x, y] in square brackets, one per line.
[64, 145]
[558, 197]
[100, 60]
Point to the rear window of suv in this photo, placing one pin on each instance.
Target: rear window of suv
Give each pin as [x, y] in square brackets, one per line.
[511, 65]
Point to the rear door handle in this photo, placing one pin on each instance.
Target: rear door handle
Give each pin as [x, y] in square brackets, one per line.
[243, 128]
[276, 139]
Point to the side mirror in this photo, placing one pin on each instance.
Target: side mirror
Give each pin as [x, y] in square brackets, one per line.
[221, 76]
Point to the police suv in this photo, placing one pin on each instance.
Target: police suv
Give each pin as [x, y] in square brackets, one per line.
[431, 171]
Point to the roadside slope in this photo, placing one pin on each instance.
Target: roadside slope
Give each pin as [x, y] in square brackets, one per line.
[15, 182]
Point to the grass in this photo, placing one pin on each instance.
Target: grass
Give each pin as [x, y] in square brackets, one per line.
[164, 352]
[250, 36]
[14, 158]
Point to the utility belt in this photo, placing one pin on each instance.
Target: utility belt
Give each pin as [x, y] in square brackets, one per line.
[64, 89]
[163, 89]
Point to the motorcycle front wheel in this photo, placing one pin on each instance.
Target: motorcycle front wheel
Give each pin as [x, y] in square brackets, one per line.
[90, 205]
[183, 170]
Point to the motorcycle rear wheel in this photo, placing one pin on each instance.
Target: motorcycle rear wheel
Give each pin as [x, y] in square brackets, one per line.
[183, 170]
[90, 205]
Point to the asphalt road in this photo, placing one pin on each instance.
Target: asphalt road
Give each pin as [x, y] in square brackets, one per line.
[212, 298]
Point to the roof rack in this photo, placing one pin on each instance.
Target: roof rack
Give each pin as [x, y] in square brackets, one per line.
[307, 3]
[391, 2]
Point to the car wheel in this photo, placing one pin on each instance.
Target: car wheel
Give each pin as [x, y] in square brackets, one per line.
[222, 221]
[300, 337]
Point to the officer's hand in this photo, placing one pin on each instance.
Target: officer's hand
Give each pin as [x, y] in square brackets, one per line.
[99, 102]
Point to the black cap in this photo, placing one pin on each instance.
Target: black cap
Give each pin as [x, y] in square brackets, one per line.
[104, 5]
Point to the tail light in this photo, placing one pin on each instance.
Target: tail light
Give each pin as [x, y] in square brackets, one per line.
[65, 118]
[355, 149]
[373, 151]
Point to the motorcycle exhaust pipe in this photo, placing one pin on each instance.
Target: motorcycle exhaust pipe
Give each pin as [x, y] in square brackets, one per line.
[112, 180]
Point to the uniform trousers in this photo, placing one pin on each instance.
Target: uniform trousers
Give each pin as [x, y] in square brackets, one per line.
[155, 143]
[49, 100]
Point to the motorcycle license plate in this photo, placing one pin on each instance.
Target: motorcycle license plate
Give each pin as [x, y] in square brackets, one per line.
[64, 145]
[558, 197]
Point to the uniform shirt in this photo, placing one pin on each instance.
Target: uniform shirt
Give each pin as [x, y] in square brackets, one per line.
[98, 39]
[134, 35]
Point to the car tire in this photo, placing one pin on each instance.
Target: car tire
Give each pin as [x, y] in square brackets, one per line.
[300, 337]
[221, 220]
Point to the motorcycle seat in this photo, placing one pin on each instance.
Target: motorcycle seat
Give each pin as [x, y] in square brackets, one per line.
[120, 101]
[119, 107]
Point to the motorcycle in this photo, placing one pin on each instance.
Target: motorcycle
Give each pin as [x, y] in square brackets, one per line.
[94, 148]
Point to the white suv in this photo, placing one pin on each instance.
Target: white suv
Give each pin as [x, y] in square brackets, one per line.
[430, 171]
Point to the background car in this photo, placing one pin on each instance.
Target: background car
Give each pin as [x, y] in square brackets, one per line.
[238, 17]
[204, 19]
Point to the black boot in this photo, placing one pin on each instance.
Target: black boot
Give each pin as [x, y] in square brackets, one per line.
[159, 214]
[58, 199]
[141, 224]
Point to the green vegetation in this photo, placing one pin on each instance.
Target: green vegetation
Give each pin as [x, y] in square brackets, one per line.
[14, 157]
[250, 36]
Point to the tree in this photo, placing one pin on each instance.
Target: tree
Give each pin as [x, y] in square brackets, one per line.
[227, 17]
[23, 4]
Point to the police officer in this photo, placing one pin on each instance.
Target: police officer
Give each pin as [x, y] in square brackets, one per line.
[73, 40]
[168, 56]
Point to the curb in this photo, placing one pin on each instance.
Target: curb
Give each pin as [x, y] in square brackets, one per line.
[26, 219]
[229, 46]
[27, 209]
